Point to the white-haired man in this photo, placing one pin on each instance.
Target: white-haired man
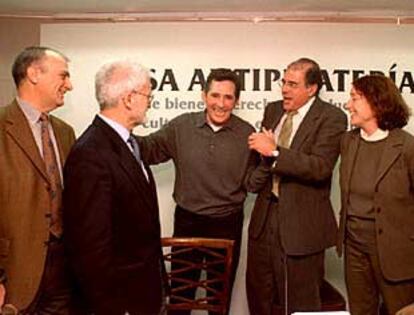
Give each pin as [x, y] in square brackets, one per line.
[111, 215]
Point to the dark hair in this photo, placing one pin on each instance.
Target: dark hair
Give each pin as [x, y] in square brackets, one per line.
[26, 58]
[222, 74]
[385, 100]
[313, 74]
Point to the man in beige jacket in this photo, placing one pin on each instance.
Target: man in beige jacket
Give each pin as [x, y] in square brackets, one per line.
[33, 148]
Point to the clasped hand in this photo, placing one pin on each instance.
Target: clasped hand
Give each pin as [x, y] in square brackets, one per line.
[262, 142]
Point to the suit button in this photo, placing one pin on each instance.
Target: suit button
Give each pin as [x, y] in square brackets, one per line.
[378, 210]
[379, 231]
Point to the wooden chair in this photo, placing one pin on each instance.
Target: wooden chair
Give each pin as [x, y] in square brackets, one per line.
[218, 265]
[332, 300]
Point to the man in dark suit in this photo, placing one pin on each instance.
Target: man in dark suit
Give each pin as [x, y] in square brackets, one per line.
[111, 214]
[33, 148]
[293, 222]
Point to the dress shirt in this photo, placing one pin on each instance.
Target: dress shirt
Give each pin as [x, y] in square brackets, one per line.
[33, 118]
[120, 130]
[124, 133]
[296, 120]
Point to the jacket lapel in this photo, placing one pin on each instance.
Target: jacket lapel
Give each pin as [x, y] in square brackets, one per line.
[132, 168]
[349, 161]
[277, 117]
[18, 128]
[134, 172]
[392, 150]
[61, 141]
[307, 125]
[127, 161]
[151, 182]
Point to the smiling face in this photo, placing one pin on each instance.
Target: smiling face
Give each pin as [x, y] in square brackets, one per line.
[295, 92]
[52, 80]
[220, 101]
[361, 112]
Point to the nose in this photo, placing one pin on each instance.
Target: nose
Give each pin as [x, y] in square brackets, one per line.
[348, 105]
[285, 88]
[220, 101]
[68, 84]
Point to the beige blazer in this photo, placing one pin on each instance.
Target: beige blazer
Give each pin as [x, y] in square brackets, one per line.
[393, 201]
[24, 202]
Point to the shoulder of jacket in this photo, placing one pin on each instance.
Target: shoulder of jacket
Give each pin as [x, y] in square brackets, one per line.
[244, 124]
[61, 123]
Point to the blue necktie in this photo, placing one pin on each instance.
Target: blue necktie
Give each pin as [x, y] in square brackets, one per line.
[135, 148]
[135, 151]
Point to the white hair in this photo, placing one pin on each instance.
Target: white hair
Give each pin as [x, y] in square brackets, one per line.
[115, 79]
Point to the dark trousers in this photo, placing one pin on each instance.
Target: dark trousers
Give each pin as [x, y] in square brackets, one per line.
[365, 283]
[54, 294]
[274, 278]
[188, 224]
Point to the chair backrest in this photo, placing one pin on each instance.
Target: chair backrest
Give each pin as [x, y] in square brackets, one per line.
[218, 264]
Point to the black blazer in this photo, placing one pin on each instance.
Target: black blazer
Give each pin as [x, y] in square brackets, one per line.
[307, 221]
[111, 225]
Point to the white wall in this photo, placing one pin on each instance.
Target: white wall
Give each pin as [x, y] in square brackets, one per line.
[180, 48]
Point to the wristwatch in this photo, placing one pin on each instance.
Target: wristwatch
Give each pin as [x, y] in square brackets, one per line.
[275, 153]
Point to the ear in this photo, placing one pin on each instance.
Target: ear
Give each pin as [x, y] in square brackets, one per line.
[126, 100]
[312, 89]
[32, 74]
[204, 96]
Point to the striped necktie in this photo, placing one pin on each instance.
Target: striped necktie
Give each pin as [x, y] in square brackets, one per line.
[52, 170]
[283, 141]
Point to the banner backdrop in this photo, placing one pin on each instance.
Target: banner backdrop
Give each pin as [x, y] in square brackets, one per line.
[180, 56]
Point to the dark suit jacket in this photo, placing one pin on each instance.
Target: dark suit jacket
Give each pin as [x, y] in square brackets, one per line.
[393, 199]
[24, 202]
[111, 222]
[307, 221]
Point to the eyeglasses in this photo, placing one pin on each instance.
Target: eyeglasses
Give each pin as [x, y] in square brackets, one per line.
[289, 84]
[150, 97]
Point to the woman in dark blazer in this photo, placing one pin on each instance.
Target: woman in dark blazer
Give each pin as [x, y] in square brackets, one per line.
[377, 195]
